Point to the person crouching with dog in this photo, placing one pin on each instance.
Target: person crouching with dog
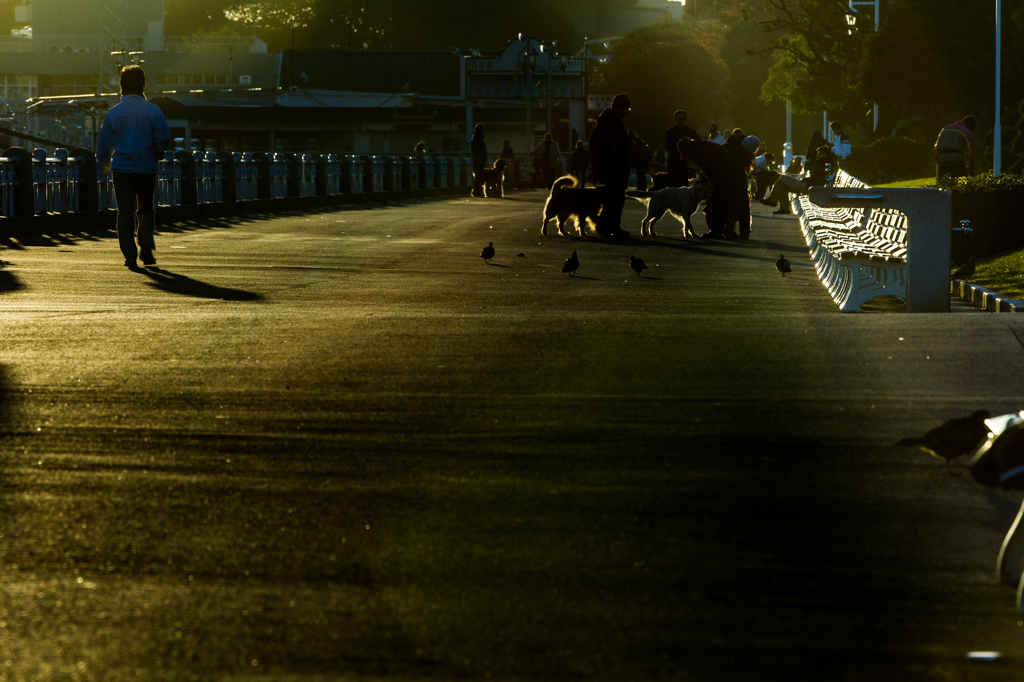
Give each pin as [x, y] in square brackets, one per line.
[728, 171]
[609, 155]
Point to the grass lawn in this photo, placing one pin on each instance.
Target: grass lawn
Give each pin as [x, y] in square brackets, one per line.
[1003, 272]
[919, 182]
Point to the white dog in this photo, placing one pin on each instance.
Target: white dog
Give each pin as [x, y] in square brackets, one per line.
[682, 202]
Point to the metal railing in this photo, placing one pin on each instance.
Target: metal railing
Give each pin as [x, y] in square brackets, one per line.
[36, 183]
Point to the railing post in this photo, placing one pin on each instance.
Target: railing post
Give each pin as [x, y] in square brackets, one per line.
[22, 191]
[88, 189]
[229, 170]
[189, 181]
[39, 181]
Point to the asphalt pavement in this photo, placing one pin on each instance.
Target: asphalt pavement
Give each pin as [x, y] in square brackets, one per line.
[340, 445]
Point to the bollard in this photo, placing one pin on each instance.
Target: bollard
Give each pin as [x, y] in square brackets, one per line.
[23, 195]
[88, 189]
[230, 176]
[188, 176]
[428, 181]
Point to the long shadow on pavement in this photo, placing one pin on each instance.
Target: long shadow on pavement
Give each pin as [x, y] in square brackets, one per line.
[186, 286]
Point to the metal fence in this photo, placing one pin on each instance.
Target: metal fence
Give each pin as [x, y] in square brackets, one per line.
[35, 183]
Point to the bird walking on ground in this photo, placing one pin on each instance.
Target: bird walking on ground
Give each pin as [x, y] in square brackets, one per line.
[637, 265]
[955, 438]
[782, 265]
[488, 253]
[965, 271]
[571, 263]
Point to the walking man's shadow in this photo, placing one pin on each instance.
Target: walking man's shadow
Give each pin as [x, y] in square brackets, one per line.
[186, 286]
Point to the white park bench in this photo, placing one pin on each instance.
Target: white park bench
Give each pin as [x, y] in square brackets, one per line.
[868, 242]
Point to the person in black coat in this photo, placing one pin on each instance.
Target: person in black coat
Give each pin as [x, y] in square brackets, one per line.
[579, 163]
[478, 153]
[678, 166]
[728, 171]
[609, 154]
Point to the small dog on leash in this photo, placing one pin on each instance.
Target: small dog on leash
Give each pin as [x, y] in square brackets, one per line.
[491, 179]
[682, 202]
[569, 200]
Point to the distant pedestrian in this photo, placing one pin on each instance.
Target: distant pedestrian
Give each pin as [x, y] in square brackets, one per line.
[478, 153]
[955, 150]
[817, 139]
[509, 155]
[580, 162]
[842, 149]
[640, 159]
[420, 150]
[609, 154]
[549, 159]
[678, 166]
[714, 135]
[135, 132]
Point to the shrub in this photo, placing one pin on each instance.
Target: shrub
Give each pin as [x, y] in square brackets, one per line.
[993, 205]
[890, 159]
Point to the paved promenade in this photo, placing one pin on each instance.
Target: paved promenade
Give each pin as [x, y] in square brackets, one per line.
[341, 446]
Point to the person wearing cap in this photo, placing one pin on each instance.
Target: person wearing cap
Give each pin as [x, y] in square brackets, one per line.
[727, 170]
[678, 167]
[609, 155]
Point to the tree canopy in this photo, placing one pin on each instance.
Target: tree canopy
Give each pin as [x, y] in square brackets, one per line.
[662, 68]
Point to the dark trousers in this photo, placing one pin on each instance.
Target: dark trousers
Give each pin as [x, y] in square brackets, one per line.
[641, 177]
[478, 178]
[136, 212]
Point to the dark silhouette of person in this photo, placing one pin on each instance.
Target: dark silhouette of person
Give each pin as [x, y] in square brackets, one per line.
[955, 149]
[678, 166]
[135, 132]
[640, 159]
[609, 154]
[509, 155]
[728, 172]
[817, 139]
[580, 162]
[478, 153]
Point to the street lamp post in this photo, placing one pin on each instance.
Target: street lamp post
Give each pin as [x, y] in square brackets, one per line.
[997, 131]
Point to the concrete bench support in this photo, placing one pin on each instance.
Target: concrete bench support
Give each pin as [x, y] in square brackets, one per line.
[928, 214]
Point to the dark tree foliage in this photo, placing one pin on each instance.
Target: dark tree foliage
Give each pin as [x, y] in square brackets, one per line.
[663, 68]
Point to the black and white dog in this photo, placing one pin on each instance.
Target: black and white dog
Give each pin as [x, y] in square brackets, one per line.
[681, 202]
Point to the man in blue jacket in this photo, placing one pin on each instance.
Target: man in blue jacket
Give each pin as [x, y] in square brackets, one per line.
[136, 133]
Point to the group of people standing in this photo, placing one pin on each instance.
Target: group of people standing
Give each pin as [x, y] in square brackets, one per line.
[730, 162]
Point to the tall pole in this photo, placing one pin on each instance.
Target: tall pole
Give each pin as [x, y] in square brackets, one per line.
[997, 133]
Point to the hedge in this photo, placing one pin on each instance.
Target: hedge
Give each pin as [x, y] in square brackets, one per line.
[994, 205]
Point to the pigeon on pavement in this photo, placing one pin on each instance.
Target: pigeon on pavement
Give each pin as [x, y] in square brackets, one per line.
[488, 253]
[637, 265]
[571, 263]
[965, 271]
[782, 265]
[955, 438]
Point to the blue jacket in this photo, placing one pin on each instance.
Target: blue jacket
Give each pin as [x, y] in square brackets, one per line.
[137, 134]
